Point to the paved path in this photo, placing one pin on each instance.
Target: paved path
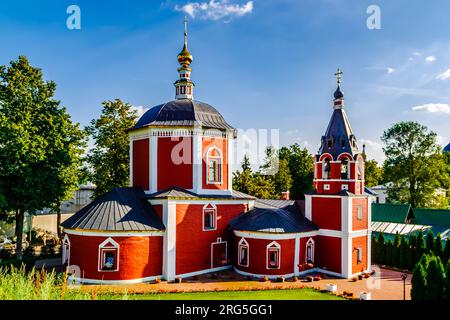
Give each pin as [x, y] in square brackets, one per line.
[384, 285]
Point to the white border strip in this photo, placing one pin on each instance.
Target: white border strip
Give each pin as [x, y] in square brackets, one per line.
[115, 234]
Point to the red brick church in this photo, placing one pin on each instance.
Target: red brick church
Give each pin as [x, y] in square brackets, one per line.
[180, 217]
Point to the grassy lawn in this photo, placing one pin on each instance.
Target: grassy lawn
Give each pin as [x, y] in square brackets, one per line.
[292, 294]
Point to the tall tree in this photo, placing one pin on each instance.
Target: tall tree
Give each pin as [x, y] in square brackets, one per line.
[435, 279]
[37, 142]
[301, 167]
[419, 282]
[446, 254]
[373, 173]
[110, 157]
[438, 246]
[277, 170]
[243, 180]
[413, 163]
[447, 282]
[430, 242]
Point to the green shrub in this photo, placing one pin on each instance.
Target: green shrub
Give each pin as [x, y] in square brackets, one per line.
[435, 279]
[447, 282]
[430, 242]
[419, 282]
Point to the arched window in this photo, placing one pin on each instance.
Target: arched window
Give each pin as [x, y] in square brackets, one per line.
[108, 255]
[214, 162]
[345, 169]
[310, 251]
[66, 250]
[326, 168]
[273, 255]
[243, 250]
[209, 217]
[360, 168]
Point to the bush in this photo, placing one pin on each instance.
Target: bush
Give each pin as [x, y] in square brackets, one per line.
[419, 282]
[435, 279]
[447, 282]
[446, 254]
[438, 246]
[430, 242]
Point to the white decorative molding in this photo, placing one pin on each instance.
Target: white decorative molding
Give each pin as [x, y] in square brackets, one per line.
[88, 233]
[153, 166]
[96, 281]
[308, 207]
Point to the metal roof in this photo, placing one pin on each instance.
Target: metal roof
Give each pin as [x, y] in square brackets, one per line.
[390, 212]
[435, 217]
[273, 216]
[447, 148]
[339, 131]
[183, 112]
[177, 192]
[121, 209]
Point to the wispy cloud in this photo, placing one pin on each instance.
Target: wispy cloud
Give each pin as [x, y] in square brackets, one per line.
[390, 70]
[374, 149]
[139, 110]
[433, 108]
[430, 59]
[444, 76]
[215, 9]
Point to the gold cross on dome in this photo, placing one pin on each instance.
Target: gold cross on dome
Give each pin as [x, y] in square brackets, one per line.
[338, 75]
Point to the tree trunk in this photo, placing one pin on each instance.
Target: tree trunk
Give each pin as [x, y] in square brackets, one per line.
[19, 233]
[58, 219]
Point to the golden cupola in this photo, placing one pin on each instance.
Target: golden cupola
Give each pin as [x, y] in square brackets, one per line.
[184, 86]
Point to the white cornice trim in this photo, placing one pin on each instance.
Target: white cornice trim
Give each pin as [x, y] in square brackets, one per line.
[88, 233]
[96, 281]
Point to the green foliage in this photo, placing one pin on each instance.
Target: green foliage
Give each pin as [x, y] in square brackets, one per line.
[110, 157]
[404, 253]
[389, 253]
[446, 254]
[39, 144]
[435, 279]
[420, 245]
[373, 173]
[419, 282]
[447, 282]
[381, 249]
[301, 168]
[430, 242]
[277, 171]
[396, 250]
[414, 163]
[438, 246]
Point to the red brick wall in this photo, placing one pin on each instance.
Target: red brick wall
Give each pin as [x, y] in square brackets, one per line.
[359, 224]
[159, 210]
[257, 256]
[359, 242]
[193, 244]
[141, 163]
[139, 257]
[328, 253]
[170, 171]
[326, 212]
[221, 144]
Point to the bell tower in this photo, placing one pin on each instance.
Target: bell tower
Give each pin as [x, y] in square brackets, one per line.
[184, 87]
[338, 205]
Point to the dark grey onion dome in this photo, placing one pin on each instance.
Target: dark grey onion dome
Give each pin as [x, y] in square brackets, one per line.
[183, 112]
[447, 148]
[338, 94]
[270, 218]
[121, 209]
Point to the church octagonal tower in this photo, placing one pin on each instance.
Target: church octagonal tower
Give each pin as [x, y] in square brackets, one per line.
[338, 205]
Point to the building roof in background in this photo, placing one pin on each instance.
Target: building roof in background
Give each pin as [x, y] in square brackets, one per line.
[181, 193]
[447, 148]
[183, 112]
[431, 217]
[389, 212]
[121, 209]
[273, 216]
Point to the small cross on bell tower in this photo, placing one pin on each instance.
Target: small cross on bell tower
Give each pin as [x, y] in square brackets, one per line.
[338, 94]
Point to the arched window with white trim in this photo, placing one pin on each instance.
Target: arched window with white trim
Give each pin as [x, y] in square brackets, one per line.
[108, 255]
[345, 169]
[326, 168]
[310, 251]
[273, 256]
[214, 161]
[243, 251]
[209, 217]
[360, 168]
[66, 250]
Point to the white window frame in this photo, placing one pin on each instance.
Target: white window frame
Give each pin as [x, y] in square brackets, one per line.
[206, 208]
[276, 247]
[359, 255]
[359, 212]
[66, 250]
[344, 187]
[102, 247]
[323, 168]
[310, 244]
[243, 244]
[348, 168]
[326, 186]
[219, 159]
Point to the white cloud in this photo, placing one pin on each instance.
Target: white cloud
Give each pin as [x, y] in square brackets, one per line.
[215, 9]
[433, 108]
[374, 149]
[417, 53]
[430, 59]
[444, 76]
[139, 110]
[390, 70]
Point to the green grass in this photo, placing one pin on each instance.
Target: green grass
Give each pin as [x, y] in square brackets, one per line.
[290, 294]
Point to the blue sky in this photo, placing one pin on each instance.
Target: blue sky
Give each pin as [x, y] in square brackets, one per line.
[264, 64]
